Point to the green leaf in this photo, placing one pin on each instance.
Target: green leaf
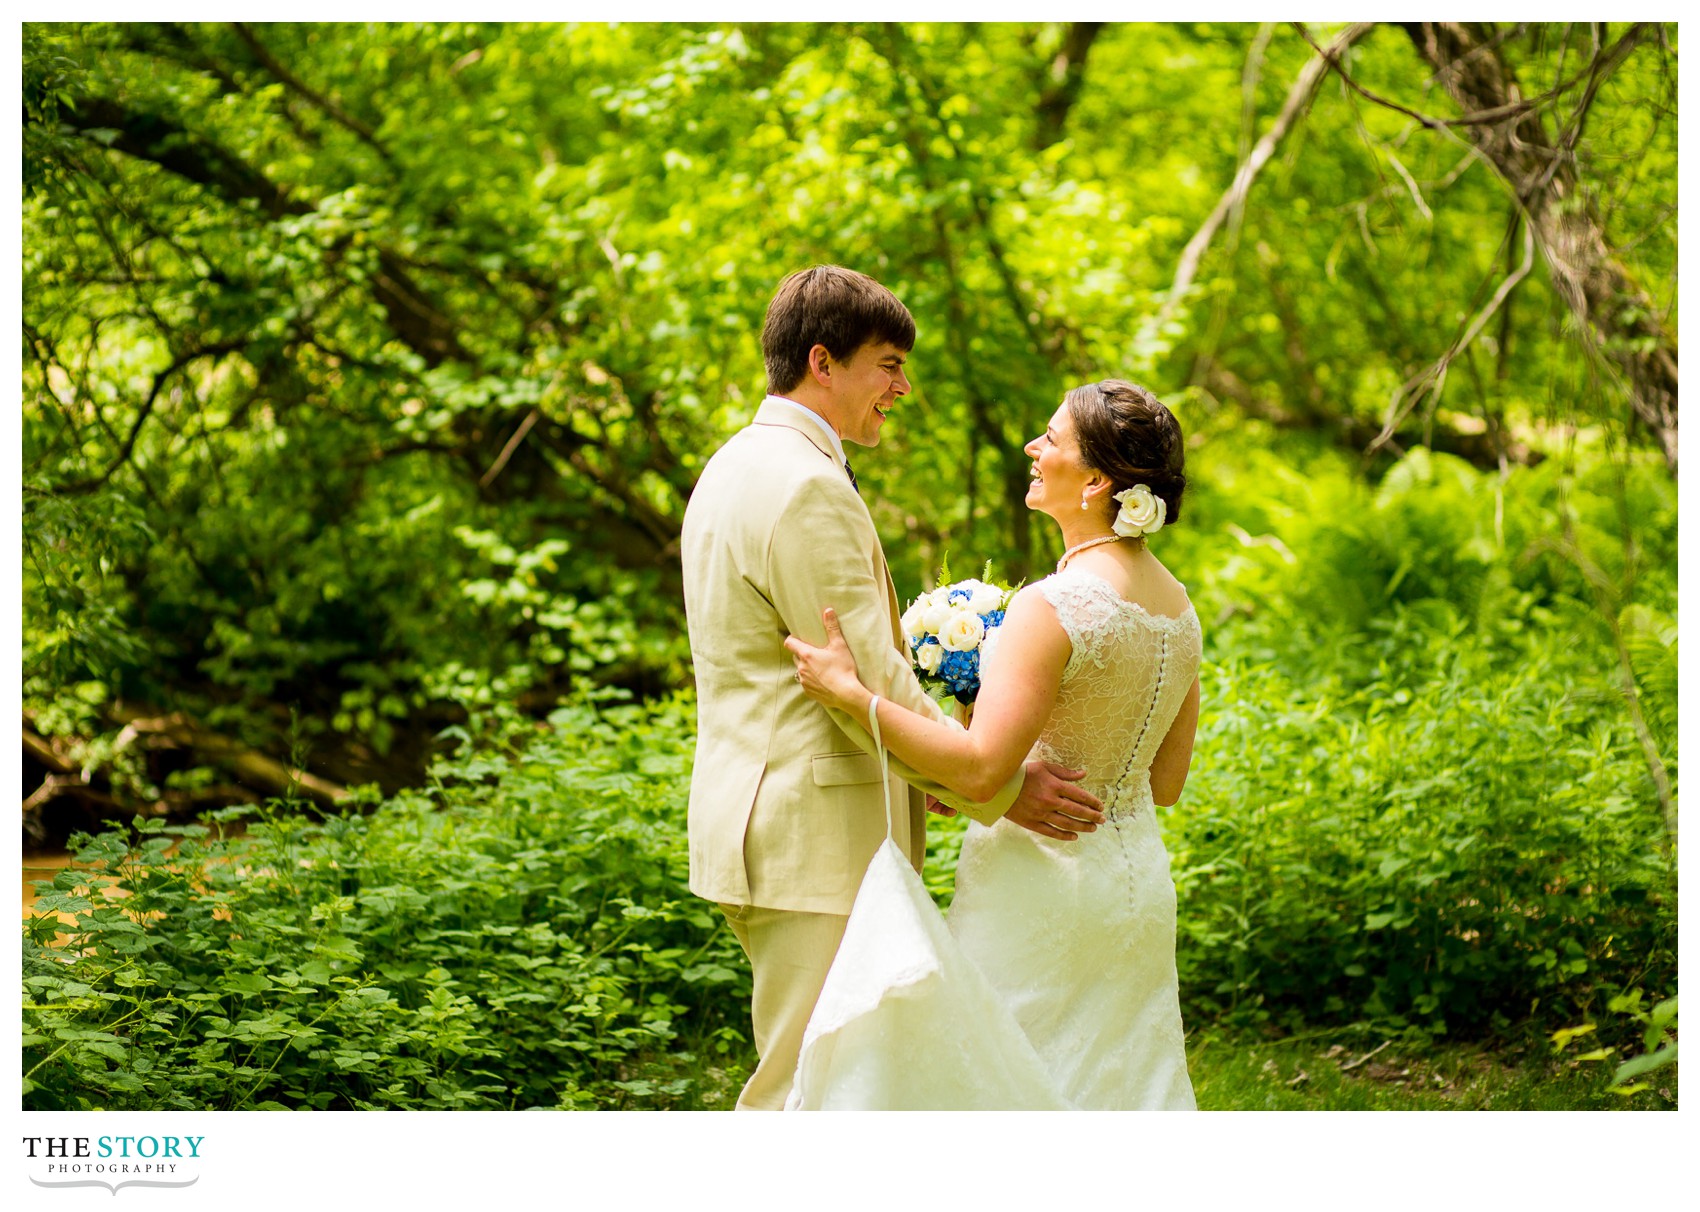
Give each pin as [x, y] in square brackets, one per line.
[1639, 1065]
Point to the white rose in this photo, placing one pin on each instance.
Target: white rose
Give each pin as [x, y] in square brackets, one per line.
[963, 632]
[937, 611]
[1142, 512]
[929, 657]
[912, 625]
[986, 599]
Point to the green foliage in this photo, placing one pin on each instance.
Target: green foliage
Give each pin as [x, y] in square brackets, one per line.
[517, 936]
[1418, 797]
[366, 321]
[374, 396]
[1424, 808]
[1650, 1034]
[1658, 1042]
[1461, 845]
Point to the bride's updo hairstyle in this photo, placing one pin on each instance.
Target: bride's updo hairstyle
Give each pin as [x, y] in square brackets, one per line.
[1126, 433]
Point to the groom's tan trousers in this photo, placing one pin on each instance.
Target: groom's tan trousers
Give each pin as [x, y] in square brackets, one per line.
[790, 953]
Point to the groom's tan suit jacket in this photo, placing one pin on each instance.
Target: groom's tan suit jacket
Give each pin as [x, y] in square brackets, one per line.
[786, 806]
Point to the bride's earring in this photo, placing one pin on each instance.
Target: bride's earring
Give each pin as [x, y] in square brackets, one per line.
[1084, 504]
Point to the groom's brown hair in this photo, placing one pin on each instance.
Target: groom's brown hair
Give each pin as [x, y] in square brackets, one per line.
[831, 306]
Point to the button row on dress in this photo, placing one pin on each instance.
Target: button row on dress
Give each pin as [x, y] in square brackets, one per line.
[1126, 799]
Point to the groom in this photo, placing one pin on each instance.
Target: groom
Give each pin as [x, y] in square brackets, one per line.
[786, 805]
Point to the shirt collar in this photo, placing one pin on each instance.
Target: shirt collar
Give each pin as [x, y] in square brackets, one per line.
[837, 442]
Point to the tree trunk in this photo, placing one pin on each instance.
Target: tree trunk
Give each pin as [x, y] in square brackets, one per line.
[412, 314]
[1616, 315]
[1064, 77]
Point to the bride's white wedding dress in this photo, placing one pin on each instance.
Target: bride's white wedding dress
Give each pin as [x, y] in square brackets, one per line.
[1053, 985]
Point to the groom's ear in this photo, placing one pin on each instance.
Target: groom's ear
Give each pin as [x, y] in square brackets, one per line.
[819, 362]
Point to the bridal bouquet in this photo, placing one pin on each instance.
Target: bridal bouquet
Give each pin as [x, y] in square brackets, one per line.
[947, 629]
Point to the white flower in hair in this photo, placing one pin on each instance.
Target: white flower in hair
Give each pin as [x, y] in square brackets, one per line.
[1142, 512]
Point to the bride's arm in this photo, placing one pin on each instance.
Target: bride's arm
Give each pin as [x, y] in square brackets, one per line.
[1016, 697]
[807, 567]
[1174, 756]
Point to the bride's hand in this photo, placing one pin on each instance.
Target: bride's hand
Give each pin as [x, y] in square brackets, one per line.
[828, 674]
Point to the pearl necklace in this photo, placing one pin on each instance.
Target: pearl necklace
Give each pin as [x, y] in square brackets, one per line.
[1079, 547]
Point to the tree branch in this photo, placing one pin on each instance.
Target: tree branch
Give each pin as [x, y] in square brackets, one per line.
[1433, 376]
[1489, 449]
[44, 751]
[159, 140]
[1020, 306]
[508, 450]
[334, 111]
[1497, 113]
[128, 447]
[148, 136]
[251, 765]
[1619, 327]
[659, 528]
[1298, 98]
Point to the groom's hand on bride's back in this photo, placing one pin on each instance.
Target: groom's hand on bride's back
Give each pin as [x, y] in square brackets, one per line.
[1054, 804]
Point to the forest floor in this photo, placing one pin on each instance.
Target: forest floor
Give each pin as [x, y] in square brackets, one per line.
[1239, 1071]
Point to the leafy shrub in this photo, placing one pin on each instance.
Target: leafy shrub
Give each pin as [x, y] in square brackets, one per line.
[1420, 831]
[1636, 1043]
[1309, 542]
[1418, 796]
[519, 935]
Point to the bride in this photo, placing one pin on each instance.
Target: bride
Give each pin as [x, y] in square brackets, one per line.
[1054, 984]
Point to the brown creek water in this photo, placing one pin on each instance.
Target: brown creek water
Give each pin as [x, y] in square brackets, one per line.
[41, 865]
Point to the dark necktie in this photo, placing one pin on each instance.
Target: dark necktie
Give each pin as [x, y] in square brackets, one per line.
[852, 476]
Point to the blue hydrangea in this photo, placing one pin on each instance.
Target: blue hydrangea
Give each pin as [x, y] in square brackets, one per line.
[960, 672]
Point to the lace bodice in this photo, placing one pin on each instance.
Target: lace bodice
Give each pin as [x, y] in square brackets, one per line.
[1124, 683]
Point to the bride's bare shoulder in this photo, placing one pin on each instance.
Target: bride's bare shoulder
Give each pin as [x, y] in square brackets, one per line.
[1031, 609]
[1030, 600]
[1143, 580]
